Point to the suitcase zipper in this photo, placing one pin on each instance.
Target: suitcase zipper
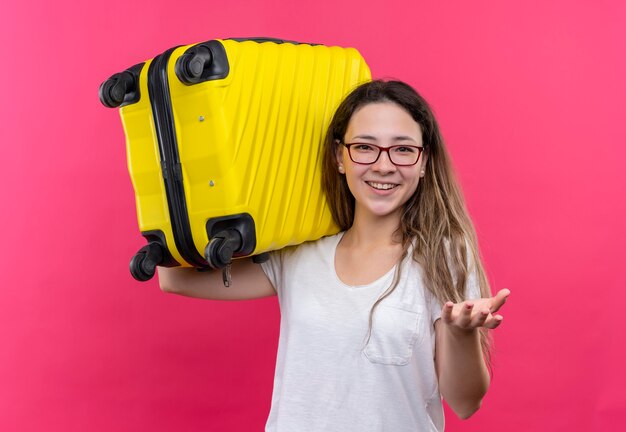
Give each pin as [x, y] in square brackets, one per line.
[160, 100]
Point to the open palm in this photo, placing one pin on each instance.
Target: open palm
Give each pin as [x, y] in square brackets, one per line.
[476, 313]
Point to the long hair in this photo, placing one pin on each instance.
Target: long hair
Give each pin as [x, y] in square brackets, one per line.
[435, 220]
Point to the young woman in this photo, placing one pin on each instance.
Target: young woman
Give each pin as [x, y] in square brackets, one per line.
[382, 320]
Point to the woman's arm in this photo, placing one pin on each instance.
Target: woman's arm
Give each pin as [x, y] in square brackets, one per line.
[461, 370]
[248, 282]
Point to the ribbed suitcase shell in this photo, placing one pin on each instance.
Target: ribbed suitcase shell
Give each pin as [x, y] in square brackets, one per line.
[248, 143]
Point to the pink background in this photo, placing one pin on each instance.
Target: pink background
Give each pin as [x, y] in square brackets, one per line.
[530, 97]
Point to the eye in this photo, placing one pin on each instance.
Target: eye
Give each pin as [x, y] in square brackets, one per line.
[404, 149]
[362, 147]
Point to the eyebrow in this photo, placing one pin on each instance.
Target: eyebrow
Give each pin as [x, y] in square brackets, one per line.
[396, 138]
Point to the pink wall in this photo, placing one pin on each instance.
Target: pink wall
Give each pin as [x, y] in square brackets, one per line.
[531, 100]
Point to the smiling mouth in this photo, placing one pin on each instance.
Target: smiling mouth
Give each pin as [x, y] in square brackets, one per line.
[382, 186]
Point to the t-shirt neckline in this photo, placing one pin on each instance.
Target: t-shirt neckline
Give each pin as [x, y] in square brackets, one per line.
[372, 284]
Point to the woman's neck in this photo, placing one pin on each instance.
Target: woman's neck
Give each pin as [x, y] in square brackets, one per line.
[371, 232]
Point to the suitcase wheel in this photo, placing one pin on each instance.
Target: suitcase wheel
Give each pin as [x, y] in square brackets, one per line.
[143, 264]
[261, 258]
[114, 90]
[193, 63]
[219, 252]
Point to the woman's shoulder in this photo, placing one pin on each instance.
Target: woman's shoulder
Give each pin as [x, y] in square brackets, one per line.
[323, 245]
[311, 254]
[328, 241]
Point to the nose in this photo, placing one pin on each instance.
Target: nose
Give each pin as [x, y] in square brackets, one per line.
[384, 164]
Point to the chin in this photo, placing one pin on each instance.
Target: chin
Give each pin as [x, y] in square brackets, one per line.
[383, 210]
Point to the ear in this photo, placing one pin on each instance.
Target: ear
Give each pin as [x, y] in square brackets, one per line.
[424, 159]
[338, 153]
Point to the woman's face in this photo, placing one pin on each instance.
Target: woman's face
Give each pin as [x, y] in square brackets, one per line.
[382, 188]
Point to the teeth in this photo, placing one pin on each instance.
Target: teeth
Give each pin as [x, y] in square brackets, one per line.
[382, 186]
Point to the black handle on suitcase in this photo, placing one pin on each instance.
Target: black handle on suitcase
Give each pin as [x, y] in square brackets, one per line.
[269, 39]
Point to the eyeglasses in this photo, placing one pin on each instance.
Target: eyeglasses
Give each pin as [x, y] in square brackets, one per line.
[399, 155]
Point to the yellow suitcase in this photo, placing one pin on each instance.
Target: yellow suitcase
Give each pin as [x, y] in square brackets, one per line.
[223, 141]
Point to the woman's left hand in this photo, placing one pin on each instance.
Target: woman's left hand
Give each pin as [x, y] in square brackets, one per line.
[472, 314]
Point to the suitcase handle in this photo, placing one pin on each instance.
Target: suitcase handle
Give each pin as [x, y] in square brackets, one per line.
[267, 39]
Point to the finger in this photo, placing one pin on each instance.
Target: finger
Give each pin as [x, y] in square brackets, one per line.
[480, 318]
[494, 322]
[499, 299]
[466, 315]
[446, 313]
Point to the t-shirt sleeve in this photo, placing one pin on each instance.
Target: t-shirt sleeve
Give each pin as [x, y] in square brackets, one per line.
[435, 308]
[472, 291]
[472, 287]
[273, 269]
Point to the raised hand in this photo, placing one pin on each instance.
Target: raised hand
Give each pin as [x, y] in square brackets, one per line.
[472, 314]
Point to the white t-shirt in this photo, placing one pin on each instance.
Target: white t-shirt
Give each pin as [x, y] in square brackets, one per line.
[327, 379]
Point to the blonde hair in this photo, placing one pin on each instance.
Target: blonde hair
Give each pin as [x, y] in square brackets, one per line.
[435, 221]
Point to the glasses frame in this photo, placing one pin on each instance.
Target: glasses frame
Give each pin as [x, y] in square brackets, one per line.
[381, 150]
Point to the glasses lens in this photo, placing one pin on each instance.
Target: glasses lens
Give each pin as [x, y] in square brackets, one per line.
[363, 153]
[404, 155]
